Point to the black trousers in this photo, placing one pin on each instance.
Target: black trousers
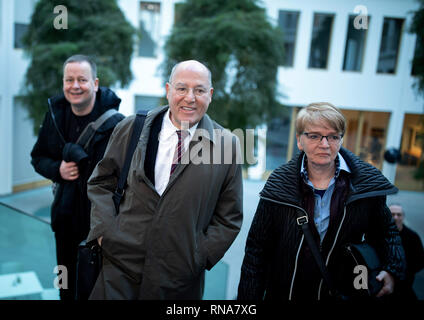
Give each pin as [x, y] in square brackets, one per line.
[66, 254]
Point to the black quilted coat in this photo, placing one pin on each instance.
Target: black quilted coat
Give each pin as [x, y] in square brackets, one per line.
[278, 264]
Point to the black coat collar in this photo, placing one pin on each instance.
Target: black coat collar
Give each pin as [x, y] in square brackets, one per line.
[284, 183]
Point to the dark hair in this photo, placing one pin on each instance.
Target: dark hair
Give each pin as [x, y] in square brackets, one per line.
[82, 58]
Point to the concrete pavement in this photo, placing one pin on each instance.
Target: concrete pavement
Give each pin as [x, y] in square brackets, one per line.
[222, 280]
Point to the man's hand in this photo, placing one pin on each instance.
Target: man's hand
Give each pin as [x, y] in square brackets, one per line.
[388, 284]
[69, 171]
[99, 240]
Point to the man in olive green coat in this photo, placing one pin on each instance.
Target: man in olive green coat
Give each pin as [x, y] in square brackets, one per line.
[182, 208]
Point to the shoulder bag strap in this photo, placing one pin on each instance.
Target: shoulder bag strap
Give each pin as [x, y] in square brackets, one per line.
[137, 128]
[88, 133]
[302, 221]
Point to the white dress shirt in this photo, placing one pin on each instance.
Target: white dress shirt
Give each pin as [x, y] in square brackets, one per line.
[168, 141]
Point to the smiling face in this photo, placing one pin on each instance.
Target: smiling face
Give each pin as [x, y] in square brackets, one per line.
[192, 79]
[79, 87]
[319, 153]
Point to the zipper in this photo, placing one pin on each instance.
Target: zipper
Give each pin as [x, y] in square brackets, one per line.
[357, 263]
[331, 250]
[295, 268]
[300, 245]
[54, 121]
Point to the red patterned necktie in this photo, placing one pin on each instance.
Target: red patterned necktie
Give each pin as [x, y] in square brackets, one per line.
[179, 150]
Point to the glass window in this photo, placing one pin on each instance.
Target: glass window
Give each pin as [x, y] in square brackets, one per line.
[320, 43]
[149, 28]
[277, 139]
[366, 135]
[20, 30]
[22, 12]
[355, 47]
[419, 52]
[177, 12]
[146, 102]
[287, 21]
[389, 46]
[410, 169]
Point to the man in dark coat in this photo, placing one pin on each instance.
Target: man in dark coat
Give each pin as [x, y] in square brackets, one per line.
[344, 200]
[414, 254]
[182, 208]
[58, 157]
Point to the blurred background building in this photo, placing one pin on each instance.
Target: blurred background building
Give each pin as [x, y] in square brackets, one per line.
[356, 55]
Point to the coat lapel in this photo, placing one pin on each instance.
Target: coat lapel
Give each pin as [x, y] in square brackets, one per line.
[202, 139]
[147, 140]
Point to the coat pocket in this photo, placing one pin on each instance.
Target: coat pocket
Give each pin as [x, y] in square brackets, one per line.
[112, 250]
[201, 253]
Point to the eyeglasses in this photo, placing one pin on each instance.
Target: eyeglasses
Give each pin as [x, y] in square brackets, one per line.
[183, 91]
[317, 138]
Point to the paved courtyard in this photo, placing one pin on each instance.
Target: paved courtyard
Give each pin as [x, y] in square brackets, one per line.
[27, 243]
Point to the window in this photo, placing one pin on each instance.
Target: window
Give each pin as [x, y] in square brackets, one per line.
[411, 149]
[419, 53]
[149, 28]
[146, 102]
[355, 47]
[20, 30]
[320, 42]
[177, 12]
[22, 12]
[366, 133]
[287, 21]
[389, 46]
[277, 140]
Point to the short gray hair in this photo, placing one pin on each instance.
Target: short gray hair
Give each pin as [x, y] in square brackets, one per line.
[318, 111]
[82, 58]
[397, 205]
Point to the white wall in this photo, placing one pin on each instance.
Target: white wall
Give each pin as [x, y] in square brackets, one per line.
[6, 43]
[23, 142]
[147, 73]
[16, 138]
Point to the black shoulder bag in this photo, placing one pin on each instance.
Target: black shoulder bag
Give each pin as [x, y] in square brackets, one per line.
[90, 259]
[353, 255]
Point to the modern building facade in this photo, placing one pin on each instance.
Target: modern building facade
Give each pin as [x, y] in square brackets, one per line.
[357, 56]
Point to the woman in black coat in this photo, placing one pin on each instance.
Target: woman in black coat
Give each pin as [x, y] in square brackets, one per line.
[344, 200]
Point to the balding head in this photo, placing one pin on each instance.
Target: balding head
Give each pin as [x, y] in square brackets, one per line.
[189, 93]
[192, 65]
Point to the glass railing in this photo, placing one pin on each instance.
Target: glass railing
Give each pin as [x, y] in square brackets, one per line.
[27, 256]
